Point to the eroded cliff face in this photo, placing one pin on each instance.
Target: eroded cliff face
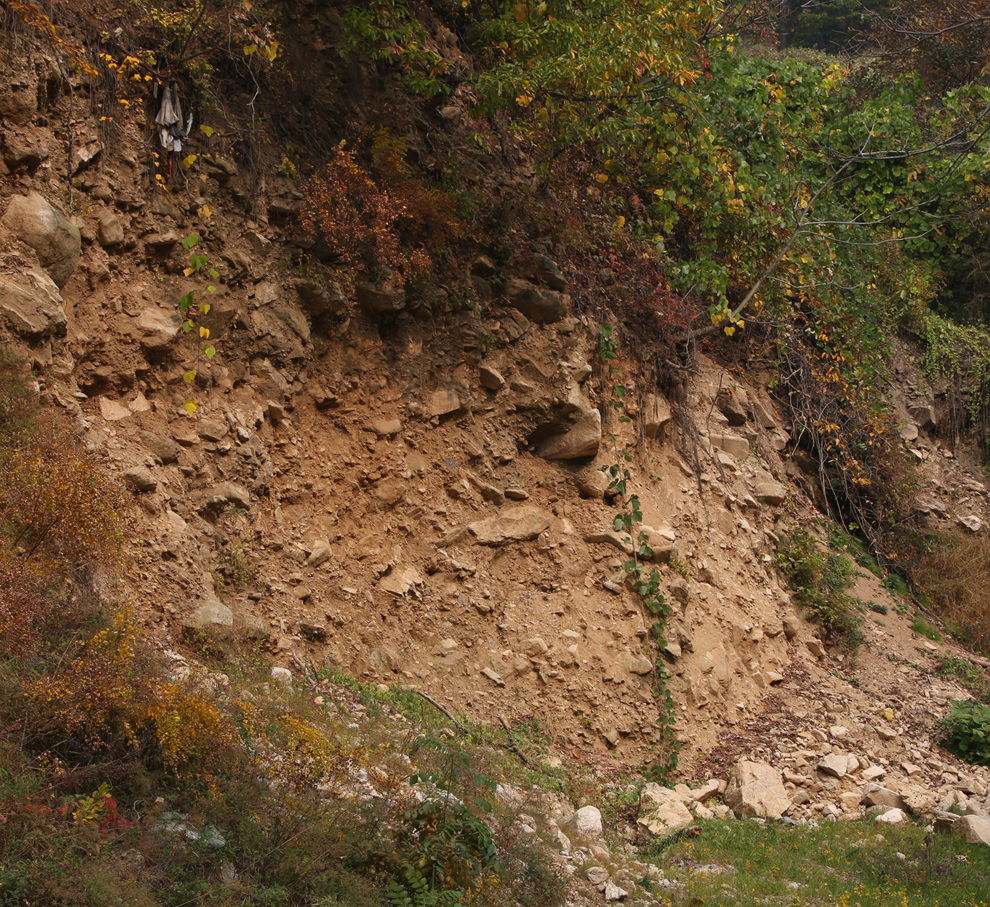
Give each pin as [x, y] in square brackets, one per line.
[409, 488]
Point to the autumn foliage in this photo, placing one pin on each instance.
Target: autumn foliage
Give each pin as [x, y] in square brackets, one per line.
[60, 523]
[377, 218]
[948, 44]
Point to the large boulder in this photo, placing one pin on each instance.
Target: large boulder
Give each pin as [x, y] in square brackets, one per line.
[383, 297]
[544, 271]
[755, 790]
[662, 810]
[32, 305]
[582, 439]
[536, 303]
[877, 795]
[656, 415]
[156, 328]
[772, 493]
[57, 242]
[511, 524]
[321, 299]
[975, 829]
[110, 231]
[211, 616]
[585, 824]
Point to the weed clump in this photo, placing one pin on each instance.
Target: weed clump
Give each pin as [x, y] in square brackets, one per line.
[966, 672]
[966, 731]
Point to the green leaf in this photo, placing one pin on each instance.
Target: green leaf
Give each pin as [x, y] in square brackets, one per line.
[190, 241]
[209, 352]
[186, 301]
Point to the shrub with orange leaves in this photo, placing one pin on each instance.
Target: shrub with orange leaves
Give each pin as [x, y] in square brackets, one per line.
[311, 757]
[98, 697]
[58, 511]
[191, 732]
[111, 697]
[359, 220]
[60, 515]
[865, 479]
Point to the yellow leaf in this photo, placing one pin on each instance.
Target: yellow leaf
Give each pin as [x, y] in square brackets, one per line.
[206, 130]
[621, 222]
[729, 329]
[204, 332]
[601, 177]
[189, 376]
[206, 211]
[189, 161]
[188, 271]
[189, 406]
[204, 307]
[250, 49]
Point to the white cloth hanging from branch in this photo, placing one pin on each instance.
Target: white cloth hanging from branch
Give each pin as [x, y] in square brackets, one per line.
[169, 120]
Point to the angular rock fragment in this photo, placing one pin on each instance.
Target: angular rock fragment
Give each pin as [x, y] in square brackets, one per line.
[755, 790]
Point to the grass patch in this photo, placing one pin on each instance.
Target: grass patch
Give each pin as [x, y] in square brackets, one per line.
[923, 628]
[842, 542]
[895, 584]
[837, 863]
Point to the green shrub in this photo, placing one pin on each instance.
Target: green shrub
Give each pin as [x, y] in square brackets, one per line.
[819, 578]
[967, 732]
